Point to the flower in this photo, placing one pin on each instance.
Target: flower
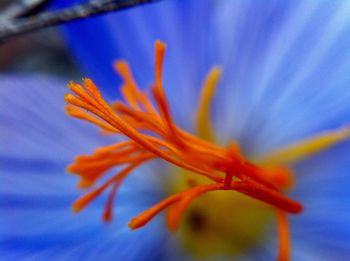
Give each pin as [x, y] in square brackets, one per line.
[250, 107]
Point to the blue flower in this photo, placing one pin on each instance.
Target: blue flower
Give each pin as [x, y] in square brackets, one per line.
[284, 79]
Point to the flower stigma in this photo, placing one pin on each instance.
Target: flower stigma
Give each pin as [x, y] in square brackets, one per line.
[221, 178]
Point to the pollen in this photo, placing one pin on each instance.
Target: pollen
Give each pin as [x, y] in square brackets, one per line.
[144, 118]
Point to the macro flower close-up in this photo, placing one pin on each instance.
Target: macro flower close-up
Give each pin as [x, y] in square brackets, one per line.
[179, 130]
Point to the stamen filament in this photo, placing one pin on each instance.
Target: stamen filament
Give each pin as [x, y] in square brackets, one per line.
[284, 246]
[83, 201]
[107, 214]
[131, 92]
[304, 149]
[183, 199]
[143, 218]
[176, 211]
[204, 124]
[80, 114]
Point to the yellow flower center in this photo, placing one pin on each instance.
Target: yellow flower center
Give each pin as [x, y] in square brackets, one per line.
[145, 119]
[220, 224]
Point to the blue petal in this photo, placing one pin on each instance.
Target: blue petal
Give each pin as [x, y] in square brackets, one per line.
[322, 186]
[282, 70]
[36, 222]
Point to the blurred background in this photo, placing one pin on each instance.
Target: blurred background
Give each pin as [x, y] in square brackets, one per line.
[41, 51]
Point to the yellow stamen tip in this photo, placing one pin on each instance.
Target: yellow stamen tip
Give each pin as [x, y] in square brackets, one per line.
[306, 148]
[204, 124]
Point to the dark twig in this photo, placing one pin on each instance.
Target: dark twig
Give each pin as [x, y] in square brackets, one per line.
[25, 25]
[10, 9]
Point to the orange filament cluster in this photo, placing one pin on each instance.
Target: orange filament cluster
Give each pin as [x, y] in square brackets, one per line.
[145, 119]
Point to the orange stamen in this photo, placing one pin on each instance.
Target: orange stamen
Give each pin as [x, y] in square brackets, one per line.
[267, 195]
[158, 91]
[146, 216]
[114, 147]
[117, 179]
[80, 114]
[236, 159]
[176, 211]
[159, 55]
[130, 90]
[284, 246]
[107, 214]
[281, 176]
[183, 199]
